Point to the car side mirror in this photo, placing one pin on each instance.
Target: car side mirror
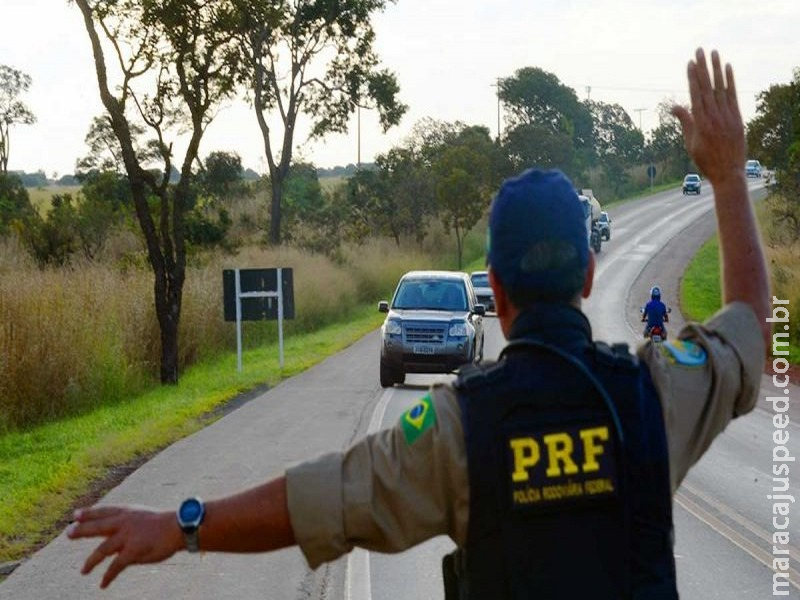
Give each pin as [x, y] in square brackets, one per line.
[383, 306]
[479, 309]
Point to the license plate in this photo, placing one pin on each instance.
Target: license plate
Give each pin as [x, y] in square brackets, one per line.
[423, 349]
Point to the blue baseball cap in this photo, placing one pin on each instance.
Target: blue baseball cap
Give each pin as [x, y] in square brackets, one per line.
[537, 240]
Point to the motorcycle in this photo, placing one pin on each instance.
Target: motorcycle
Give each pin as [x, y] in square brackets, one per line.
[595, 239]
[657, 333]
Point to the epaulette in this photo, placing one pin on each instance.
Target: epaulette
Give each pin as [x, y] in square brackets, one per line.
[616, 355]
[471, 375]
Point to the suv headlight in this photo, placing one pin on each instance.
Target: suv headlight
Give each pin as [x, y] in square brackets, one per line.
[458, 329]
[393, 327]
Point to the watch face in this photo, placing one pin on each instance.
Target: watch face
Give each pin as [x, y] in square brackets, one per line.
[191, 510]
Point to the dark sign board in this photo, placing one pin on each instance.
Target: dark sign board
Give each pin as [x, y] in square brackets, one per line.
[258, 280]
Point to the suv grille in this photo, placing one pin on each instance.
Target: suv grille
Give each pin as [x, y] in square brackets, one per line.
[425, 334]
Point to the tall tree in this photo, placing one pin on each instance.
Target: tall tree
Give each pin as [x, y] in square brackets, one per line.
[665, 144]
[466, 176]
[314, 57]
[546, 124]
[12, 109]
[105, 152]
[398, 197]
[773, 137]
[172, 61]
[618, 143]
[776, 126]
[223, 174]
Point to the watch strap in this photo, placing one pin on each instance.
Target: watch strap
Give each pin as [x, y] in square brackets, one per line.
[192, 539]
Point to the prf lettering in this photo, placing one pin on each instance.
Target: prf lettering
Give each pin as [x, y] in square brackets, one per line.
[559, 453]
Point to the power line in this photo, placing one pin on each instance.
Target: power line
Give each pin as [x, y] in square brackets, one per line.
[647, 90]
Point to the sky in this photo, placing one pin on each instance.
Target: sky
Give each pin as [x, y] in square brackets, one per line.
[446, 55]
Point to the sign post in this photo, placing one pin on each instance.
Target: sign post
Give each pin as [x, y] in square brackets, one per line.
[651, 173]
[250, 294]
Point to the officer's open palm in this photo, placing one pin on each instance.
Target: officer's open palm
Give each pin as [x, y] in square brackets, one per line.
[713, 131]
[132, 536]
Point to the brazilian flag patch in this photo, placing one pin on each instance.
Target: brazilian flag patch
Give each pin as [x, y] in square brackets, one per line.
[418, 419]
[684, 353]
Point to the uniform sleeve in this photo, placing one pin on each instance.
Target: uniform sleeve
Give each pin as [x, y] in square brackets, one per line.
[710, 375]
[389, 491]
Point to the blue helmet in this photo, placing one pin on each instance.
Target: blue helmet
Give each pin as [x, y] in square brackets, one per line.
[655, 293]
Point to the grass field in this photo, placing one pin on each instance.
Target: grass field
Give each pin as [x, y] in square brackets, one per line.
[329, 184]
[700, 287]
[40, 196]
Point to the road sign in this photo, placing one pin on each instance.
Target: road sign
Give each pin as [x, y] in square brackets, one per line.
[257, 294]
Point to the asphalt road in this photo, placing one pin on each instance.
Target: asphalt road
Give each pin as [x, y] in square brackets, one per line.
[723, 518]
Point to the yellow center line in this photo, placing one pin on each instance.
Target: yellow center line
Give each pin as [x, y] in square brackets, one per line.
[740, 519]
[762, 556]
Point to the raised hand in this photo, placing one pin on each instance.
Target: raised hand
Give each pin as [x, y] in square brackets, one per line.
[713, 131]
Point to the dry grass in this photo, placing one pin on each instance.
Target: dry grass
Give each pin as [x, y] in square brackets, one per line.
[783, 257]
[77, 338]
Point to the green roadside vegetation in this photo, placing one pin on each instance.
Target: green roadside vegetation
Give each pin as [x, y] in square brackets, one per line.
[642, 193]
[51, 465]
[700, 291]
[45, 469]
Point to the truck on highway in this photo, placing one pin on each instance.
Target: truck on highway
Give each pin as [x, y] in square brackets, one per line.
[591, 211]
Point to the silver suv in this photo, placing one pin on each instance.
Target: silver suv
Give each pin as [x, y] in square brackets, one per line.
[434, 325]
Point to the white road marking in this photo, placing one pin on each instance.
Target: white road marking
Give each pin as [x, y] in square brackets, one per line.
[357, 584]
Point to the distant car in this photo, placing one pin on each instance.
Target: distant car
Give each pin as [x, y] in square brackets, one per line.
[433, 325]
[691, 184]
[604, 224]
[752, 168]
[483, 291]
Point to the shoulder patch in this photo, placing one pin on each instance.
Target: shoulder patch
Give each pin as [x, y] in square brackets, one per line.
[684, 353]
[418, 419]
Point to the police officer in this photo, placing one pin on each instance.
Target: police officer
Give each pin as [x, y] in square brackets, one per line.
[553, 469]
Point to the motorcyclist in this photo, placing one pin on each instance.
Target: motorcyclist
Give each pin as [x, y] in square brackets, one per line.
[655, 313]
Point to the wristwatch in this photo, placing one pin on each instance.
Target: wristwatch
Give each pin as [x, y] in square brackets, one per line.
[190, 515]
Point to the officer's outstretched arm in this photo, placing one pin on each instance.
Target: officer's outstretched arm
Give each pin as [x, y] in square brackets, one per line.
[255, 520]
[714, 135]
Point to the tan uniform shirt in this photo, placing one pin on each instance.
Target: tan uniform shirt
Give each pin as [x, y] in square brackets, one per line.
[387, 493]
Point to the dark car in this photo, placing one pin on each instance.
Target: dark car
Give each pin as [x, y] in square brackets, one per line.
[752, 168]
[604, 224]
[691, 184]
[434, 325]
[483, 291]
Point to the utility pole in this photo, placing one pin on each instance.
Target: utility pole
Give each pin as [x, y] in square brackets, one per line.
[588, 92]
[358, 160]
[497, 85]
[640, 111]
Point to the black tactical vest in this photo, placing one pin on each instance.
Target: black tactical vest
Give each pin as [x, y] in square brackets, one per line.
[568, 470]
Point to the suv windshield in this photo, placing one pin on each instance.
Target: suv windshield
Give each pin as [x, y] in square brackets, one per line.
[692, 178]
[480, 280]
[431, 294]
